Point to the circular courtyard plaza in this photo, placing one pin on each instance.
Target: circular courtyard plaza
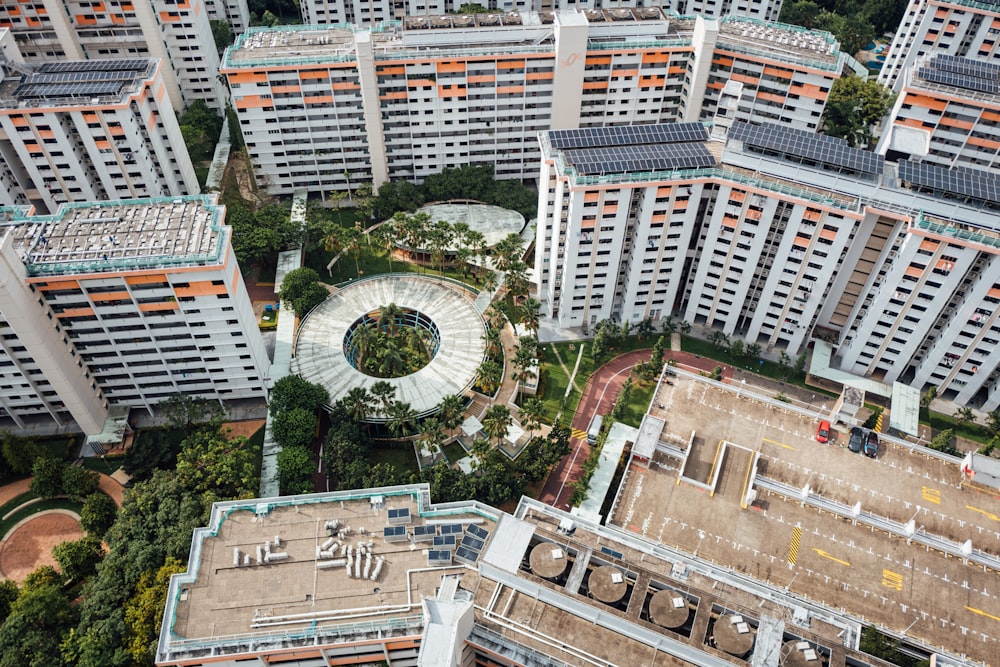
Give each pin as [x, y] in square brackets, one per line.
[320, 347]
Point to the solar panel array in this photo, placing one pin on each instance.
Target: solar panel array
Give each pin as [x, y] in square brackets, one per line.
[627, 135]
[451, 529]
[110, 65]
[424, 533]
[45, 90]
[647, 157]
[473, 542]
[399, 515]
[477, 531]
[467, 555]
[963, 73]
[439, 557]
[818, 147]
[393, 531]
[966, 182]
[444, 540]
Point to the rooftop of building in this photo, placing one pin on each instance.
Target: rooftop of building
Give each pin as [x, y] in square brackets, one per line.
[976, 79]
[119, 235]
[75, 82]
[780, 41]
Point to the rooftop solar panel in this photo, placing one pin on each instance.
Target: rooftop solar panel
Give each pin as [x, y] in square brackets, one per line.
[398, 515]
[435, 556]
[627, 135]
[612, 553]
[425, 530]
[472, 543]
[444, 540]
[651, 157]
[393, 531]
[959, 80]
[477, 531]
[965, 182]
[799, 143]
[46, 90]
[467, 555]
[451, 529]
[108, 64]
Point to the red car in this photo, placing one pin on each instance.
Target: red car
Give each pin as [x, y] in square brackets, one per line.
[823, 432]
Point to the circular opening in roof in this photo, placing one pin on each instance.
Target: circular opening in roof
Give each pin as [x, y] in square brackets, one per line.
[391, 342]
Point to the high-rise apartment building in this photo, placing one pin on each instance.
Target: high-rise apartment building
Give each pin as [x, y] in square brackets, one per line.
[947, 113]
[234, 12]
[175, 31]
[121, 303]
[330, 107]
[88, 130]
[372, 12]
[777, 236]
[964, 28]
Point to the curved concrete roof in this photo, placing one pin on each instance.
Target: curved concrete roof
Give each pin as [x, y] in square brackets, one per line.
[319, 348]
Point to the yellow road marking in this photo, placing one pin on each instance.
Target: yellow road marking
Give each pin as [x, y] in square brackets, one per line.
[793, 548]
[824, 554]
[984, 512]
[891, 579]
[577, 433]
[931, 495]
[779, 444]
[982, 613]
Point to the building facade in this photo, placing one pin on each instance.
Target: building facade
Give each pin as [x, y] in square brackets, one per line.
[372, 12]
[176, 32]
[947, 113]
[234, 12]
[121, 304]
[331, 107]
[77, 131]
[964, 28]
[777, 236]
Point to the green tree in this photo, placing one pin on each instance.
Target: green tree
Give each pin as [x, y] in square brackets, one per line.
[532, 410]
[30, 635]
[200, 127]
[8, 595]
[294, 428]
[79, 559]
[853, 108]
[212, 465]
[292, 391]
[401, 419]
[496, 420]
[719, 339]
[451, 410]
[490, 376]
[942, 441]
[222, 32]
[993, 422]
[358, 403]
[928, 396]
[19, 453]
[384, 395]
[302, 289]
[144, 611]
[78, 482]
[802, 12]
[295, 470]
[47, 476]
[182, 411]
[965, 415]
[98, 514]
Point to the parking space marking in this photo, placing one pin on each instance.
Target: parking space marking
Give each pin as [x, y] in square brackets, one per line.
[980, 612]
[991, 515]
[931, 495]
[823, 554]
[892, 580]
[779, 444]
[793, 547]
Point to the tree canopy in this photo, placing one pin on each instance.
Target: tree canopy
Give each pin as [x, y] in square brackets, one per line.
[302, 289]
[200, 127]
[854, 107]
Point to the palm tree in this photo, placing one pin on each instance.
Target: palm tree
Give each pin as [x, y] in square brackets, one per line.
[353, 244]
[358, 402]
[668, 326]
[480, 449]
[496, 421]
[388, 317]
[685, 327]
[391, 362]
[385, 238]
[477, 244]
[507, 251]
[493, 343]
[401, 417]
[532, 410]
[439, 237]
[965, 415]
[433, 431]
[450, 410]
[490, 377]
[529, 313]
[719, 339]
[363, 339]
[384, 394]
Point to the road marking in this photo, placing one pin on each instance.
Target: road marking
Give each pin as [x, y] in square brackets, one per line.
[779, 444]
[982, 613]
[931, 495]
[823, 554]
[793, 548]
[984, 512]
[891, 579]
[577, 433]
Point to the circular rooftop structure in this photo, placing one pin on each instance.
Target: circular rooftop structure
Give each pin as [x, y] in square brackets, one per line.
[493, 222]
[323, 353]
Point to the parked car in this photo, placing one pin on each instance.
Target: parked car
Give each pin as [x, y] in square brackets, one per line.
[857, 439]
[823, 432]
[871, 445]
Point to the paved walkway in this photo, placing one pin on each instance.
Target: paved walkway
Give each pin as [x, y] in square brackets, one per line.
[109, 486]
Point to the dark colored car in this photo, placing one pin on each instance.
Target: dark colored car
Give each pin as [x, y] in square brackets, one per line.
[823, 432]
[871, 445]
[857, 439]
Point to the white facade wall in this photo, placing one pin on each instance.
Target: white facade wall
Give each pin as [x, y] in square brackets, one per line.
[234, 12]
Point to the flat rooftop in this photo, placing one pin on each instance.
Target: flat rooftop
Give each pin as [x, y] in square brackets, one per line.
[780, 41]
[115, 236]
[76, 82]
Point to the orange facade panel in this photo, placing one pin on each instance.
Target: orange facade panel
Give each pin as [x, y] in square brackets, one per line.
[314, 74]
[770, 97]
[76, 312]
[598, 61]
[110, 296]
[677, 70]
[167, 17]
[21, 121]
[994, 293]
[991, 115]
[588, 222]
[812, 214]
[656, 57]
[346, 85]
[318, 99]
[146, 279]
[163, 305]
[595, 85]
[779, 72]
[745, 78]
[510, 64]
[284, 90]
[451, 92]
[659, 218]
[954, 122]
[420, 83]
[809, 90]
[929, 244]
[60, 285]
[591, 197]
[395, 95]
[392, 71]
[926, 102]
[985, 143]
[828, 234]
[201, 288]
[253, 102]
[451, 67]
[625, 73]
[730, 221]
[801, 241]
[651, 81]
[914, 271]
[509, 90]
[483, 78]
[539, 76]
[722, 61]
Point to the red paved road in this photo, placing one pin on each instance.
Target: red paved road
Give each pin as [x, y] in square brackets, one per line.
[598, 398]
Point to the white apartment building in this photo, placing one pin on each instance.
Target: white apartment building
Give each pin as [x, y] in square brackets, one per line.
[947, 113]
[777, 236]
[234, 12]
[372, 12]
[73, 131]
[177, 32]
[330, 107]
[965, 28]
[121, 304]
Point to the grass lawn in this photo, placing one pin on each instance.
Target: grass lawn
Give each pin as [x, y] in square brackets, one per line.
[638, 404]
[202, 173]
[50, 504]
[940, 422]
[59, 447]
[403, 459]
[16, 502]
[454, 452]
[107, 465]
